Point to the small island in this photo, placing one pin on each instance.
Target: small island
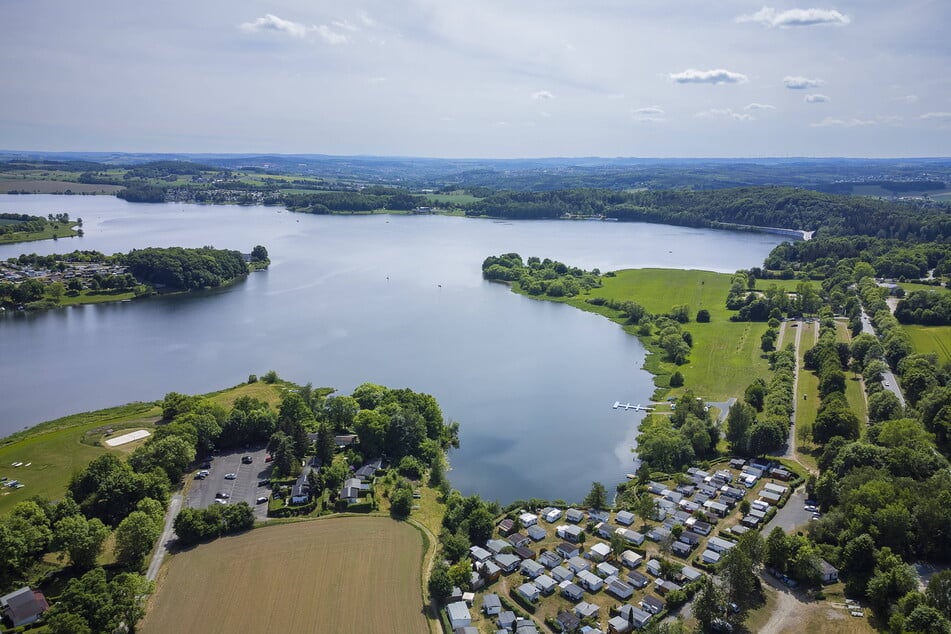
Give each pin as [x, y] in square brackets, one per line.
[27, 228]
[39, 282]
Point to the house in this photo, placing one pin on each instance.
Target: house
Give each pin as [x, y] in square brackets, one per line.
[653, 567]
[531, 569]
[604, 569]
[476, 581]
[528, 519]
[479, 554]
[577, 564]
[733, 492]
[604, 530]
[631, 559]
[498, 546]
[571, 591]
[590, 581]
[620, 590]
[458, 615]
[529, 592]
[597, 515]
[506, 620]
[719, 545]
[739, 529]
[552, 515]
[652, 604]
[718, 508]
[624, 517]
[585, 610]
[524, 552]
[567, 621]
[771, 497]
[658, 534]
[781, 474]
[690, 574]
[628, 619]
[549, 559]
[598, 552]
[560, 573]
[23, 606]
[680, 549]
[518, 539]
[546, 584]
[701, 528]
[574, 515]
[690, 538]
[490, 570]
[536, 533]
[525, 627]
[709, 557]
[631, 537]
[737, 463]
[751, 521]
[506, 527]
[637, 579]
[569, 532]
[664, 587]
[775, 488]
[507, 562]
[830, 574]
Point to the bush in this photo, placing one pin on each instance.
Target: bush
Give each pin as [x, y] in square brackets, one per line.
[676, 379]
[270, 376]
[703, 316]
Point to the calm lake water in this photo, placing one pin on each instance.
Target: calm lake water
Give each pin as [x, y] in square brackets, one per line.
[395, 300]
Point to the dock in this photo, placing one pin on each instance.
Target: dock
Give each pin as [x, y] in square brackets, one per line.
[636, 408]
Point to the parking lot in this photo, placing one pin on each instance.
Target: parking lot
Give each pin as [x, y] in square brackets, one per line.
[243, 488]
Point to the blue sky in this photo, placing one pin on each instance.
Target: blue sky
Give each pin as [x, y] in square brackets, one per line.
[445, 78]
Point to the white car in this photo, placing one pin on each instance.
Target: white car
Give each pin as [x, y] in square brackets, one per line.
[231, 476]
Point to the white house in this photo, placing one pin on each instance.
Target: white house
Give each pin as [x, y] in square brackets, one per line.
[528, 519]
[546, 584]
[458, 615]
[624, 517]
[530, 592]
[590, 581]
[631, 559]
[491, 605]
[599, 552]
[553, 515]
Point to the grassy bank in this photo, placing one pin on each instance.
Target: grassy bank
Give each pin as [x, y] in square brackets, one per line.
[58, 230]
[726, 355]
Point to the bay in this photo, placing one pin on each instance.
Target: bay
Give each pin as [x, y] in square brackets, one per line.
[395, 300]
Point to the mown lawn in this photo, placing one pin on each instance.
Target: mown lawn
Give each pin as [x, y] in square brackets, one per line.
[726, 356]
[854, 393]
[926, 339]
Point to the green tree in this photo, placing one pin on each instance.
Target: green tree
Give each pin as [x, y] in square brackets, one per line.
[135, 538]
[597, 496]
[259, 254]
[938, 592]
[80, 539]
[401, 501]
[739, 422]
[341, 411]
[325, 445]
[676, 379]
[703, 316]
[440, 585]
[708, 604]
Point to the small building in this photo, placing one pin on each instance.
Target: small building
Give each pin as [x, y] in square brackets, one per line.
[620, 590]
[775, 488]
[549, 559]
[631, 537]
[574, 515]
[665, 587]
[701, 528]
[518, 539]
[624, 517]
[653, 567]
[652, 604]
[680, 549]
[751, 521]
[577, 564]
[528, 519]
[560, 574]
[491, 605]
[604, 530]
[506, 620]
[717, 508]
[529, 592]
[479, 554]
[571, 591]
[690, 538]
[658, 534]
[23, 606]
[458, 615]
[690, 574]
[489, 570]
[507, 562]
[590, 581]
[498, 546]
[536, 533]
[830, 574]
[524, 552]
[546, 584]
[709, 557]
[531, 569]
[506, 527]
[569, 532]
[585, 610]
[604, 569]
[552, 515]
[637, 579]
[631, 559]
[771, 497]
[598, 552]
[567, 621]
[781, 474]
[719, 545]
[597, 515]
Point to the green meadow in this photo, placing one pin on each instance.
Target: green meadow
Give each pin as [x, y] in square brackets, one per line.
[927, 339]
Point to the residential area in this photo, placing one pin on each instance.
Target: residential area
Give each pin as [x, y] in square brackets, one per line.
[597, 571]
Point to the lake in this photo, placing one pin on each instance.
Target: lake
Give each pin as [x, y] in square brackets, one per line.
[395, 300]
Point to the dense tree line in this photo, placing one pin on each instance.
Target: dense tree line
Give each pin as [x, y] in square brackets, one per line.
[672, 443]
[890, 258]
[185, 269]
[783, 207]
[25, 223]
[369, 199]
[142, 193]
[540, 277]
[930, 308]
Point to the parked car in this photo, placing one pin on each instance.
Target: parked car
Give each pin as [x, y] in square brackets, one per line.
[220, 501]
[262, 500]
[268, 458]
[246, 459]
[264, 482]
[231, 476]
[221, 495]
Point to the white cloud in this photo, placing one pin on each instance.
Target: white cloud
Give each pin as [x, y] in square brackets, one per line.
[759, 106]
[649, 114]
[770, 17]
[345, 25]
[936, 115]
[817, 98]
[830, 122]
[799, 82]
[723, 113]
[908, 99]
[329, 35]
[717, 76]
[366, 19]
[273, 23]
[542, 94]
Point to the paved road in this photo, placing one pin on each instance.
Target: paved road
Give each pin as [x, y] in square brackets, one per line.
[888, 381]
[167, 537]
[791, 516]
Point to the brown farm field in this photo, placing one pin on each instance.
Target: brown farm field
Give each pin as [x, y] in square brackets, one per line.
[340, 574]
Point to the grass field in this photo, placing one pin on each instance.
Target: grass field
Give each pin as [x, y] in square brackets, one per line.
[854, 392]
[935, 339]
[351, 574]
[915, 286]
[60, 230]
[726, 356]
[807, 392]
[96, 297]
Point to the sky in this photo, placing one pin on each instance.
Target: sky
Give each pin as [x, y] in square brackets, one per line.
[480, 79]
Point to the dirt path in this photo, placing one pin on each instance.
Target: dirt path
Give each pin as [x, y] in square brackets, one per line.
[783, 615]
[166, 537]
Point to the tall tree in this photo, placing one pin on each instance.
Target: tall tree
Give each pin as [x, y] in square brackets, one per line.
[597, 496]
